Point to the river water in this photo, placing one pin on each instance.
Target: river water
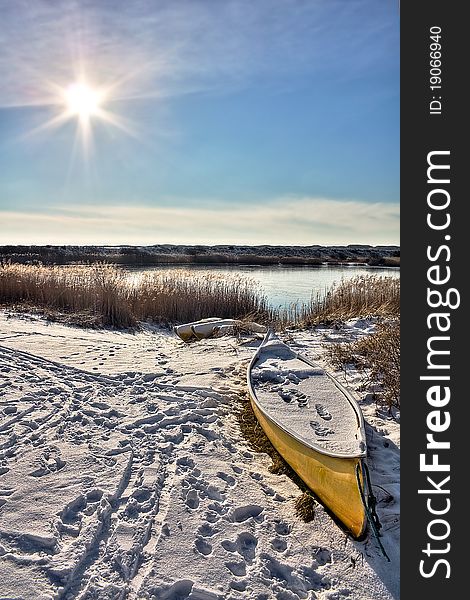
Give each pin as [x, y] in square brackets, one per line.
[283, 285]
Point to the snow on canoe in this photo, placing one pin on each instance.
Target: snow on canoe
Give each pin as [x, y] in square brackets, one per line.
[315, 425]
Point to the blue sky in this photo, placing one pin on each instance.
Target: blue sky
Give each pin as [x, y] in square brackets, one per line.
[221, 121]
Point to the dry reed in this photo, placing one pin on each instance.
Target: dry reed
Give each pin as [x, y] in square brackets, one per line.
[114, 298]
[305, 506]
[360, 296]
[108, 292]
[378, 355]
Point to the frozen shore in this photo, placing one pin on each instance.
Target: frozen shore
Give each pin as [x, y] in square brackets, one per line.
[124, 475]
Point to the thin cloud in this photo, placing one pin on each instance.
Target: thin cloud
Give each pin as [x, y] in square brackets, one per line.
[291, 221]
[165, 48]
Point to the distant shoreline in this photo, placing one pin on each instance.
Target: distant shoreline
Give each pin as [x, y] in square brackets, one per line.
[361, 255]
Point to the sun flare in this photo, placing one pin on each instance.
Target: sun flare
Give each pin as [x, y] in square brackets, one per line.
[88, 105]
[82, 100]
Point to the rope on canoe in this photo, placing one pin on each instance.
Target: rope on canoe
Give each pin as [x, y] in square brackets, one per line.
[369, 504]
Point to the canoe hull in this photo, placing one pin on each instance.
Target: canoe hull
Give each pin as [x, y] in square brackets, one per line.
[205, 330]
[186, 331]
[333, 480]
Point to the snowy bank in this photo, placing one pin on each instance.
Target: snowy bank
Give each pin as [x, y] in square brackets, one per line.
[123, 474]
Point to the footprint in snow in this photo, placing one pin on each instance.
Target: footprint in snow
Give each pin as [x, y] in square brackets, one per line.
[227, 478]
[49, 462]
[192, 499]
[282, 528]
[239, 586]
[279, 544]
[179, 590]
[291, 395]
[323, 412]
[212, 517]
[322, 556]
[205, 530]
[243, 513]
[245, 545]
[267, 490]
[203, 546]
[185, 463]
[320, 430]
[236, 568]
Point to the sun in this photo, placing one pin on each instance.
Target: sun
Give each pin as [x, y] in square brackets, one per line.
[82, 100]
[88, 105]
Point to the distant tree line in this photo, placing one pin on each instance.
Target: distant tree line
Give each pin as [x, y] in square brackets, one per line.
[196, 254]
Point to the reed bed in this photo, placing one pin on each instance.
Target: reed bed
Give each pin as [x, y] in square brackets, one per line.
[182, 296]
[360, 296]
[108, 293]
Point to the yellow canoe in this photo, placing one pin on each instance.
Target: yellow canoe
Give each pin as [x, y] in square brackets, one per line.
[315, 425]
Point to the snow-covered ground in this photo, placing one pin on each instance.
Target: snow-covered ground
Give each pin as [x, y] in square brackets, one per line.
[124, 475]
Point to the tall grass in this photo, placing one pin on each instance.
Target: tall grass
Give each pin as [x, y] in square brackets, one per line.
[360, 296]
[181, 296]
[107, 293]
[97, 290]
[378, 355]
